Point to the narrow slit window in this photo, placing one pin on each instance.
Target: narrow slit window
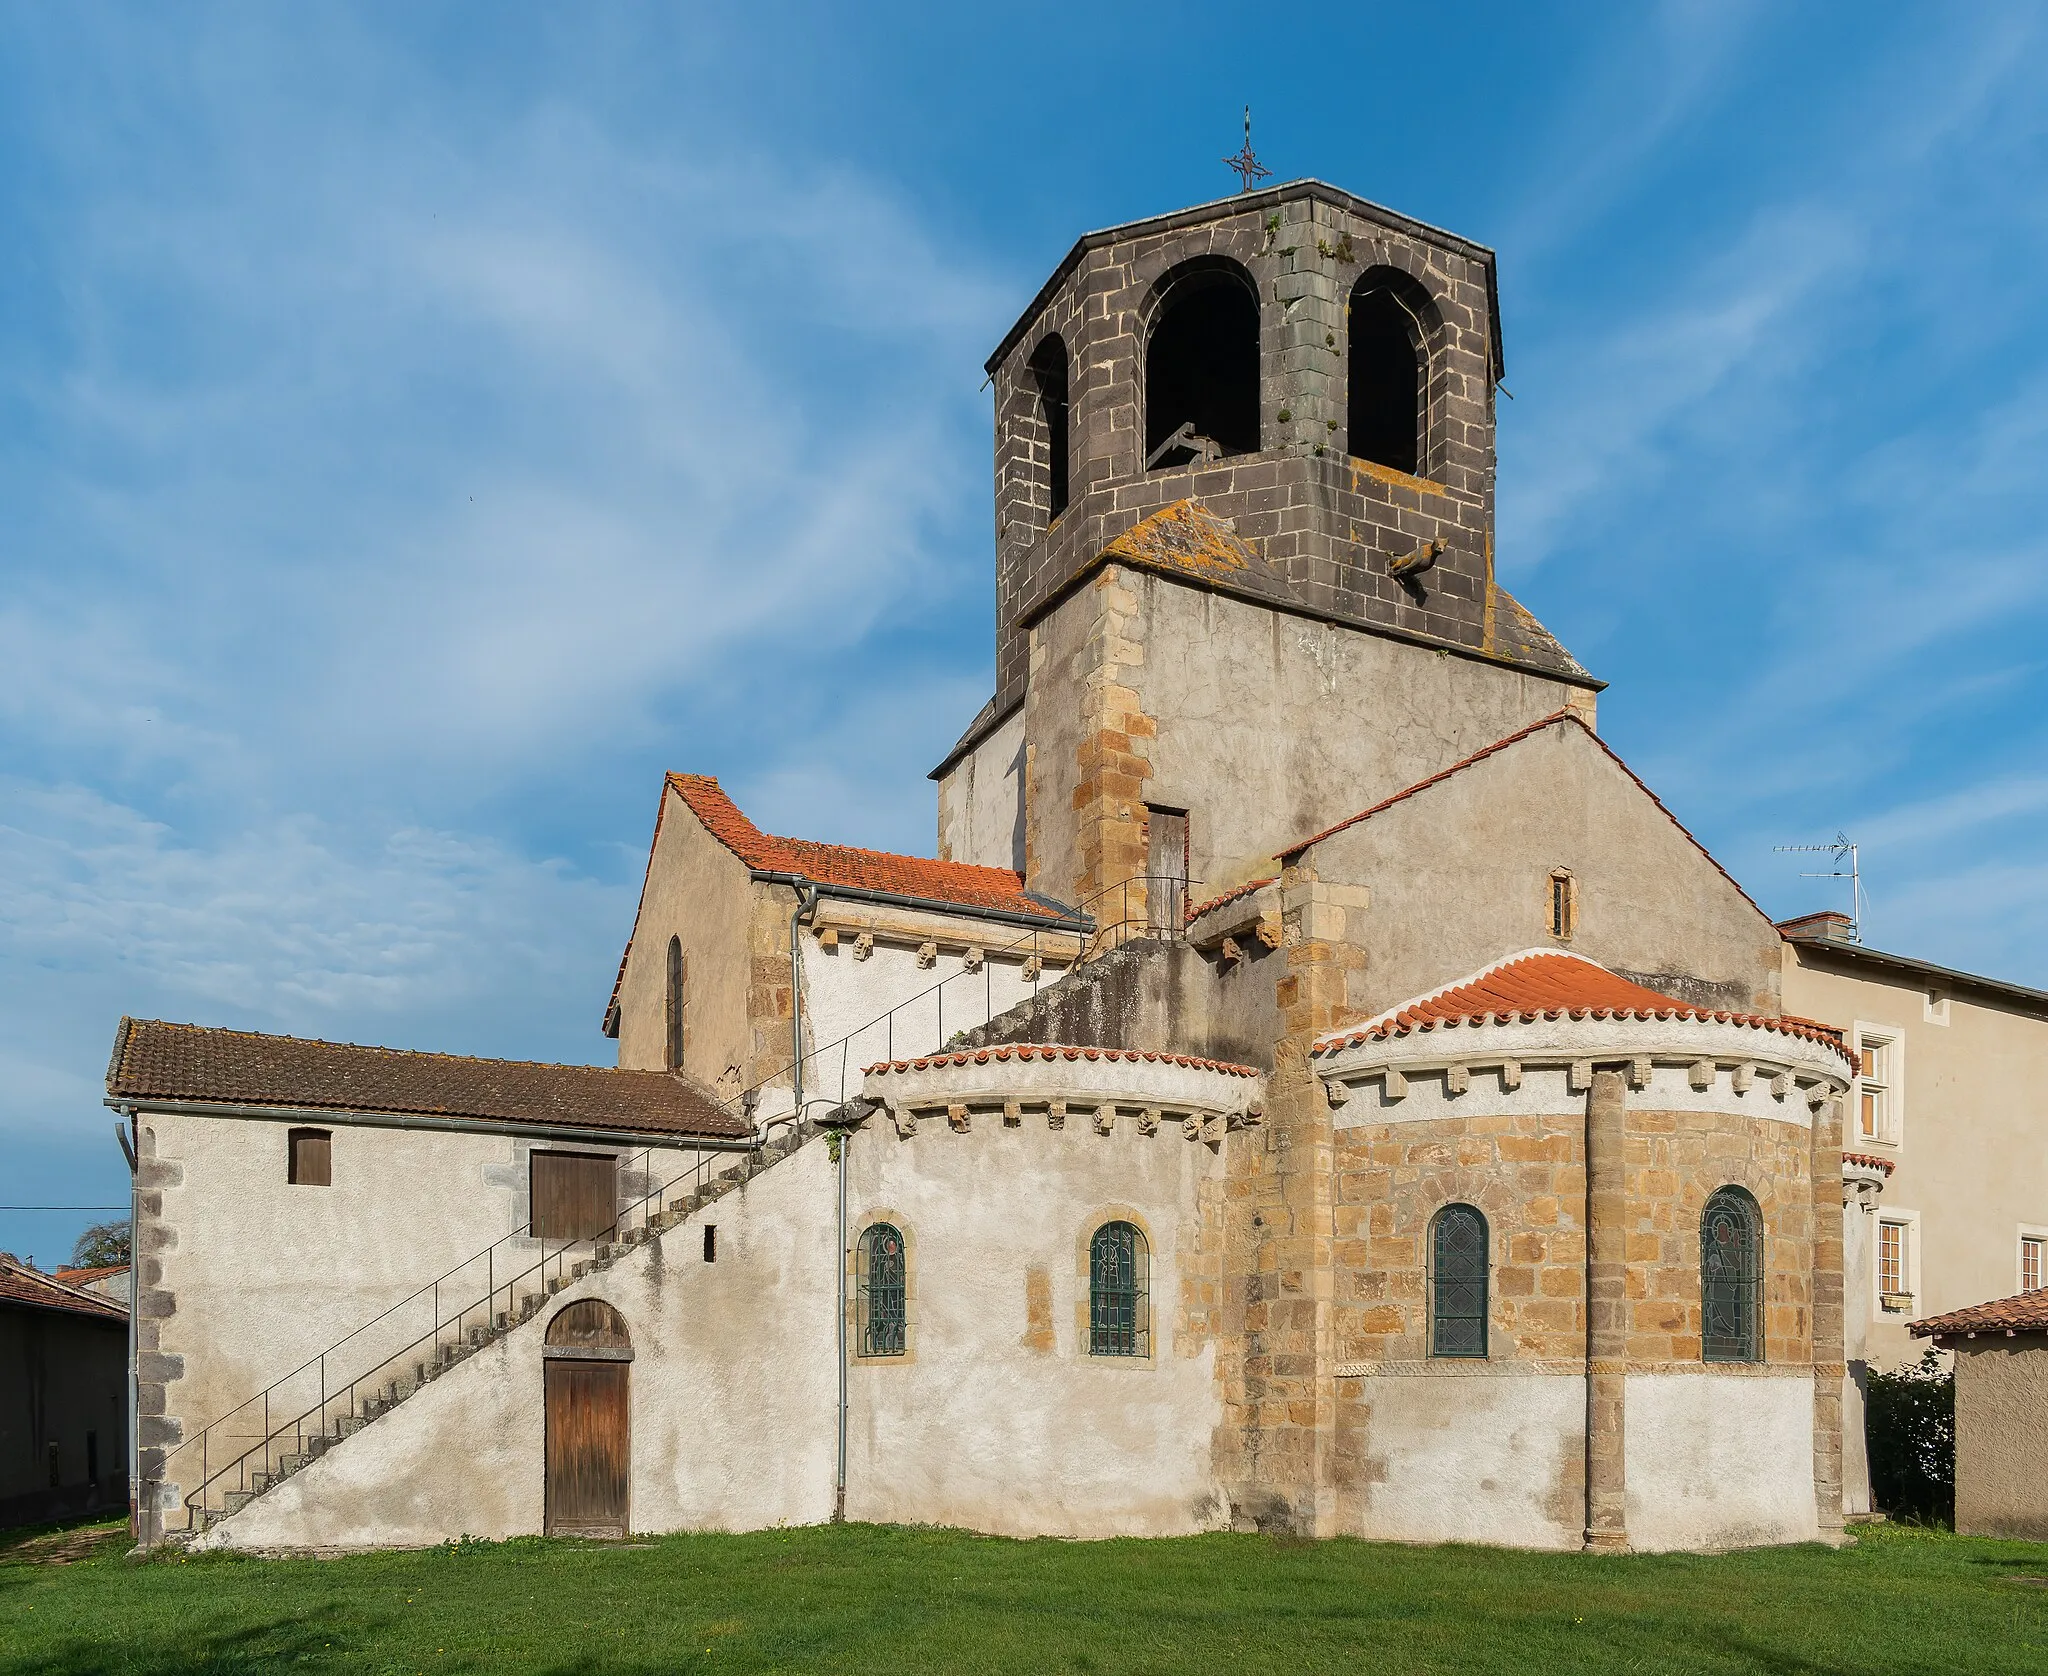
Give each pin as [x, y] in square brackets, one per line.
[1894, 1265]
[1564, 905]
[311, 1158]
[710, 1242]
[2033, 1254]
[1458, 1265]
[675, 1008]
[1118, 1308]
[881, 1291]
[1731, 1277]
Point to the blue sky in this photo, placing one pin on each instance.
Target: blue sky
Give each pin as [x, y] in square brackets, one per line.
[422, 425]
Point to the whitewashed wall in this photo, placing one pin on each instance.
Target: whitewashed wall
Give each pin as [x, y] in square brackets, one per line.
[1720, 1458]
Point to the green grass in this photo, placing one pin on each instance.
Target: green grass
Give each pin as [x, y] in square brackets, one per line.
[865, 1598]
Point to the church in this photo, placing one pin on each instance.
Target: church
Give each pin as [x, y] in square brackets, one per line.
[1316, 1087]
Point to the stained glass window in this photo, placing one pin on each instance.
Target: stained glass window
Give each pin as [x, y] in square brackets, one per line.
[1457, 1275]
[1731, 1277]
[881, 1291]
[1117, 1305]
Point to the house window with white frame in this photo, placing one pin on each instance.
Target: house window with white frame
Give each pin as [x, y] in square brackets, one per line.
[1895, 1264]
[2033, 1261]
[1877, 1057]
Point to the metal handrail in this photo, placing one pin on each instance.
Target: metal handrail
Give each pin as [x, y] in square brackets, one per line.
[1100, 937]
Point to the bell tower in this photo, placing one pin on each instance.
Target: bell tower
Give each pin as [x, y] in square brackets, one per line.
[1318, 371]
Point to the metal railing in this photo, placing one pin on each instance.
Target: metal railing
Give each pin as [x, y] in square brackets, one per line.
[388, 1357]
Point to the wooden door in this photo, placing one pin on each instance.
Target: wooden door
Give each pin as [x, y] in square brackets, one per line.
[586, 1447]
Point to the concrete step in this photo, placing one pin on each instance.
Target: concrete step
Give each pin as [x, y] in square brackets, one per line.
[234, 1501]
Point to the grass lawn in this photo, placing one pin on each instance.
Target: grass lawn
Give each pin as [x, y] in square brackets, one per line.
[867, 1598]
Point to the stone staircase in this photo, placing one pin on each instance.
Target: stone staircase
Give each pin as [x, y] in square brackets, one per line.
[443, 1357]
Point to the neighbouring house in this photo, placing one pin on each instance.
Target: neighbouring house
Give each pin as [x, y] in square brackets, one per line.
[63, 1398]
[2001, 1361]
[1945, 1161]
[1316, 1088]
[108, 1280]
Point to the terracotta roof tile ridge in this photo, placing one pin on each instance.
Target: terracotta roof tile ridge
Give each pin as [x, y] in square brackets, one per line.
[1009, 875]
[1026, 1051]
[2023, 1312]
[1555, 718]
[1544, 968]
[1458, 767]
[1869, 1161]
[79, 1277]
[1479, 975]
[31, 1286]
[1230, 895]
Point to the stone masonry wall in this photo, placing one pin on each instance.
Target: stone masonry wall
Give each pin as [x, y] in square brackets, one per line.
[1328, 522]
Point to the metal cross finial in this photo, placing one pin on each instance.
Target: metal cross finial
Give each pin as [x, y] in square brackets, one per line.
[1250, 170]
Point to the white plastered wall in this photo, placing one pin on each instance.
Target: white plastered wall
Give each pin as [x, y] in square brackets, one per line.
[264, 1275]
[1490, 1455]
[981, 801]
[978, 1429]
[1720, 1458]
[730, 1396]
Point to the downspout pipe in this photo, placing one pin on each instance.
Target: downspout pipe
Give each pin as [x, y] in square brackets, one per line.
[806, 902]
[845, 1140]
[128, 1139]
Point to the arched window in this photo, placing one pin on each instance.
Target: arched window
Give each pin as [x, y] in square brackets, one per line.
[1731, 1277]
[1457, 1282]
[1049, 377]
[880, 1291]
[1387, 375]
[675, 1015]
[1202, 368]
[1119, 1311]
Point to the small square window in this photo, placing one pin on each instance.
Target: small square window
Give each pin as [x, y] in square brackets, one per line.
[310, 1158]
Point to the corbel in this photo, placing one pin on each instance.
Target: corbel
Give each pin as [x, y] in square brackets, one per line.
[957, 1115]
[828, 937]
[1148, 1121]
[1105, 1119]
[1191, 1126]
[1013, 1114]
[864, 945]
[1579, 1078]
[927, 956]
[1214, 1127]
[1457, 1078]
[1032, 967]
[1510, 1075]
[1744, 1078]
[1782, 1085]
[971, 960]
[1056, 1114]
[1270, 932]
[1228, 952]
[1701, 1076]
[1639, 1072]
[1338, 1092]
[1393, 1085]
[906, 1120]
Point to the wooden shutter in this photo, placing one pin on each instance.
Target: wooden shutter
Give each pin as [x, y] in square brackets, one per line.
[311, 1158]
[575, 1196]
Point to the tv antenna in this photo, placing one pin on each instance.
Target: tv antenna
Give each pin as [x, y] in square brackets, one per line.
[1841, 849]
[1250, 170]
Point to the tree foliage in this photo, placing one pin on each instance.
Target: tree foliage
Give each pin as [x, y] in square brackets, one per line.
[1910, 1426]
[101, 1245]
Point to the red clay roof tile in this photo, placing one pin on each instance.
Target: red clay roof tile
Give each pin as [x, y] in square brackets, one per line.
[1053, 1050]
[21, 1284]
[1555, 985]
[2027, 1312]
[188, 1063]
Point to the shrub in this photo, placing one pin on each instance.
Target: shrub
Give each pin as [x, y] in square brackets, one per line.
[1909, 1423]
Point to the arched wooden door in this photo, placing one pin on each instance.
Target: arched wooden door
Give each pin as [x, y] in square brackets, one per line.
[587, 1357]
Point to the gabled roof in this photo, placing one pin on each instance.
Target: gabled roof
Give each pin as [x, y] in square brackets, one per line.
[1557, 718]
[2027, 1312]
[956, 886]
[191, 1065]
[1550, 984]
[20, 1284]
[945, 884]
[85, 1277]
